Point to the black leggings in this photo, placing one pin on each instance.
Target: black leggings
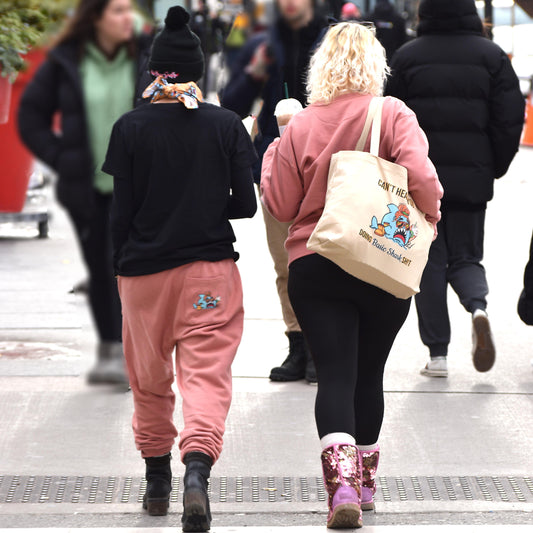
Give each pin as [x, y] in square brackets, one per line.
[94, 237]
[350, 327]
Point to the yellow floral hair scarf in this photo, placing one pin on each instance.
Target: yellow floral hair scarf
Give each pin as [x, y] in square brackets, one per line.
[189, 94]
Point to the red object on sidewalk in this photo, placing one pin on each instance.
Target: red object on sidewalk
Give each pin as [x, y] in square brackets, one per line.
[16, 162]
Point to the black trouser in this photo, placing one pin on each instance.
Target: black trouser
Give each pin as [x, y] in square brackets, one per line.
[94, 237]
[455, 258]
[350, 327]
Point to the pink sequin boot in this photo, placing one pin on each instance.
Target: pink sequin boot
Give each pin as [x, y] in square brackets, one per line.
[369, 463]
[341, 466]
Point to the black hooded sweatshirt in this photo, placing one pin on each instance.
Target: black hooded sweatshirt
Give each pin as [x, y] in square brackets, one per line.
[466, 96]
[390, 27]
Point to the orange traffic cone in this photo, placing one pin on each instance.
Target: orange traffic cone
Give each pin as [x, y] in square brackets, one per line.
[527, 133]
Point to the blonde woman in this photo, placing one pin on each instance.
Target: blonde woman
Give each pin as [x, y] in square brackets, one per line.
[350, 326]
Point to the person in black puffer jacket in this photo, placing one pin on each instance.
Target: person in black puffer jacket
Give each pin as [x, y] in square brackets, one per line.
[467, 99]
[96, 71]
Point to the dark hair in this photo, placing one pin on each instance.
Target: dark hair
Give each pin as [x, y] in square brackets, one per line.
[80, 27]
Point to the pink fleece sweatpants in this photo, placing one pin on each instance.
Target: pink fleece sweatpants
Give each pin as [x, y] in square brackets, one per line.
[197, 309]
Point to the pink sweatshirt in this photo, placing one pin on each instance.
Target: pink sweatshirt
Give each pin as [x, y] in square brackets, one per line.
[295, 168]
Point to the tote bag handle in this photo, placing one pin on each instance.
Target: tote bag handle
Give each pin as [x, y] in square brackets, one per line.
[373, 119]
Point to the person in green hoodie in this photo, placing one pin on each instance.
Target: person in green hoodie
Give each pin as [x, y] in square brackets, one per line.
[91, 76]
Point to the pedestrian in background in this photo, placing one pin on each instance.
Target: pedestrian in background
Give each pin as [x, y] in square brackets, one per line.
[467, 99]
[182, 169]
[349, 12]
[349, 325]
[270, 62]
[210, 30]
[525, 300]
[200, 27]
[390, 26]
[331, 8]
[241, 28]
[89, 78]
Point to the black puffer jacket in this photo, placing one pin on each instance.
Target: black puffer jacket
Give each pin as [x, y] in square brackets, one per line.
[56, 88]
[466, 96]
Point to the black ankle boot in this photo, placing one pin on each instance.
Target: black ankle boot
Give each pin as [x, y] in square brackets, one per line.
[294, 366]
[196, 511]
[158, 485]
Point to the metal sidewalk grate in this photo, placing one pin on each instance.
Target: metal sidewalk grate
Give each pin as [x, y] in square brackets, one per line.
[256, 489]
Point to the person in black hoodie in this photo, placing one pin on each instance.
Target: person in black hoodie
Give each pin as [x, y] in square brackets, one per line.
[390, 26]
[89, 79]
[269, 62]
[467, 99]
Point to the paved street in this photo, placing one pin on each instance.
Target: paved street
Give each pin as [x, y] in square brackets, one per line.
[456, 452]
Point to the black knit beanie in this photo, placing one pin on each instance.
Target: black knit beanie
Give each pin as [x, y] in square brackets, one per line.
[176, 50]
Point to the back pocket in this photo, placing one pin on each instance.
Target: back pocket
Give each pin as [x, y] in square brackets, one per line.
[204, 299]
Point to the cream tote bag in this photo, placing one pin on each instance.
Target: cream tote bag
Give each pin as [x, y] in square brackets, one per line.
[370, 226]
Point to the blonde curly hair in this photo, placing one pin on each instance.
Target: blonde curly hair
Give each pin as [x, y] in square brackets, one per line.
[350, 59]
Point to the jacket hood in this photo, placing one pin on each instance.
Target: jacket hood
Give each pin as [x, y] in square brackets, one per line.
[448, 16]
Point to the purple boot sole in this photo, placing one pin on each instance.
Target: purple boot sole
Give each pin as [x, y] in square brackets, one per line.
[345, 512]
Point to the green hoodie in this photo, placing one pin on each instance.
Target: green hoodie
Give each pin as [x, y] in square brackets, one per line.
[108, 90]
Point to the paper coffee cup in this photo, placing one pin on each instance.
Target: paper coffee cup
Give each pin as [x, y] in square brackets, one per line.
[285, 110]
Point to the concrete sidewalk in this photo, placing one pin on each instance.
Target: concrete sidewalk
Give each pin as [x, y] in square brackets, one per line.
[454, 451]
[297, 529]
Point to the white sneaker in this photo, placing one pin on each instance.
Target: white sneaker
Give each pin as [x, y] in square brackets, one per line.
[436, 368]
[483, 350]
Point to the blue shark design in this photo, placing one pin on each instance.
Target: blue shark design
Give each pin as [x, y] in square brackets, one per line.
[206, 301]
[396, 226]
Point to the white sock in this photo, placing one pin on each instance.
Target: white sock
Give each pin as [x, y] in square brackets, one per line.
[336, 438]
[368, 447]
[479, 312]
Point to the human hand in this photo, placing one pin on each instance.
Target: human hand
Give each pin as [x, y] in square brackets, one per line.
[261, 60]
